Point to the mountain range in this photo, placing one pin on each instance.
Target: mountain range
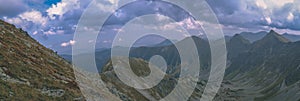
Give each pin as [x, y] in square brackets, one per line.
[263, 67]
[252, 37]
[155, 41]
[265, 70]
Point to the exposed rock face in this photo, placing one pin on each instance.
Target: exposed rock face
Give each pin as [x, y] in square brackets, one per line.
[29, 71]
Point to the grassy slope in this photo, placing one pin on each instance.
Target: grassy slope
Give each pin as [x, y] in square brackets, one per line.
[24, 59]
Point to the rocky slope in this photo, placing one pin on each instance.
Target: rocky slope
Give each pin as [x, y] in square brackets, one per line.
[29, 71]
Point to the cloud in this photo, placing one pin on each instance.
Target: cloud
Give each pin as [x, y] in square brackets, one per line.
[268, 19]
[259, 14]
[70, 43]
[276, 3]
[28, 17]
[16, 20]
[31, 21]
[107, 8]
[62, 7]
[290, 17]
[261, 4]
[189, 24]
[53, 32]
[35, 17]
[45, 19]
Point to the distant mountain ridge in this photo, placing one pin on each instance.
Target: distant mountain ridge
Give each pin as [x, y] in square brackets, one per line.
[252, 37]
[103, 56]
[155, 41]
[266, 70]
[291, 37]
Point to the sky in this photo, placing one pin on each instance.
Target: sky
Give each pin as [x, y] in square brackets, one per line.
[53, 22]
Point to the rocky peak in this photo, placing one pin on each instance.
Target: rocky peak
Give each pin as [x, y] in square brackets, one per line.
[274, 36]
[272, 39]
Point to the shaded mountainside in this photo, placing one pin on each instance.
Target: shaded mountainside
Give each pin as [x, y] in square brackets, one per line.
[29, 71]
[238, 44]
[266, 70]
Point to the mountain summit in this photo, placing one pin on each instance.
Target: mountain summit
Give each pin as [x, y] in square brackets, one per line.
[272, 35]
[271, 40]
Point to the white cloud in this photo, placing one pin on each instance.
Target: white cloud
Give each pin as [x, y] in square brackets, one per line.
[91, 41]
[120, 39]
[17, 21]
[107, 8]
[106, 41]
[188, 23]
[35, 17]
[186, 35]
[113, 1]
[278, 3]
[268, 19]
[290, 17]
[35, 32]
[271, 4]
[32, 21]
[271, 9]
[88, 29]
[160, 17]
[49, 32]
[63, 7]
[70, 43]
[261, 3]
[52, 32]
